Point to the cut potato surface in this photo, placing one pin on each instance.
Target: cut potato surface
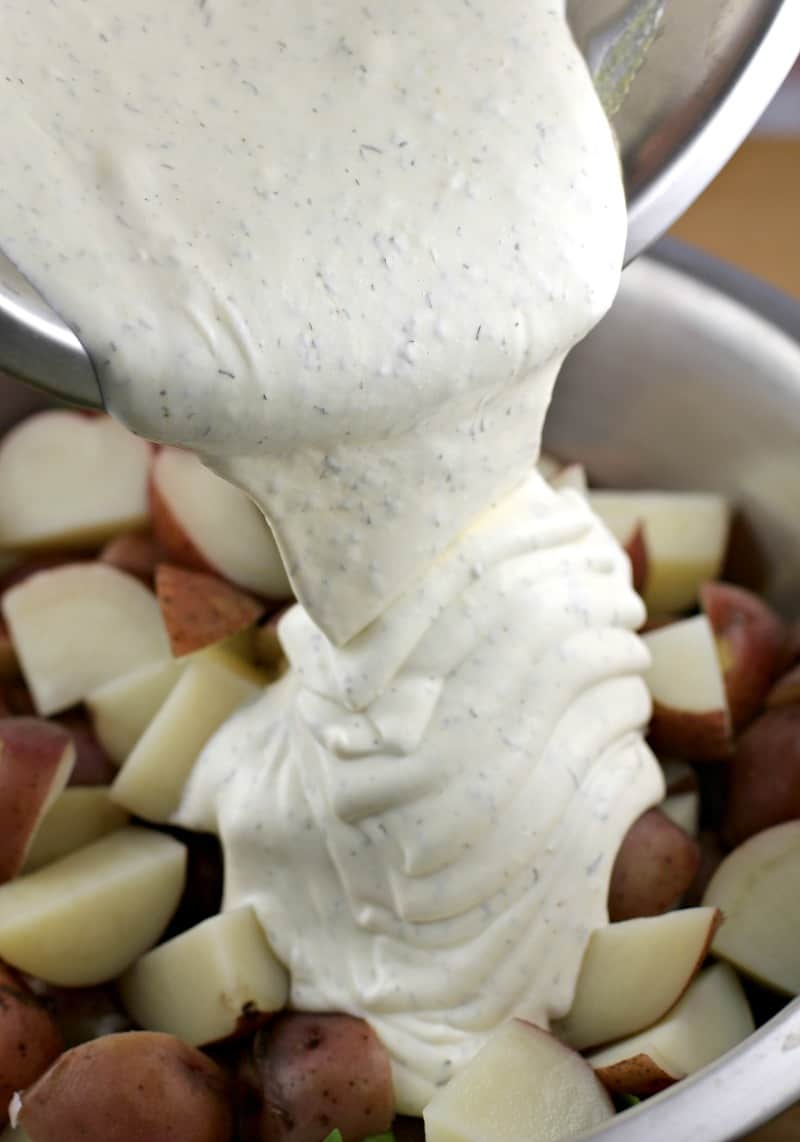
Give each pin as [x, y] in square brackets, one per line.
[756, 886]
[78, 817]
[210, 689]
[711, 1018]
[685, 534]
[683, 809]
[206, 523]
[122, 709]
[85, 918]
[690, 706]
[635, 971]
[524, 1085]
[68, 480]
[209, 983]
[79, 626]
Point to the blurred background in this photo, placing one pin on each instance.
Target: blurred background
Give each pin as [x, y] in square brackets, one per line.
[750, 215]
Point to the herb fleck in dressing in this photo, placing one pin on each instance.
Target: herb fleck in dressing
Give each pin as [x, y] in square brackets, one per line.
[340, 249]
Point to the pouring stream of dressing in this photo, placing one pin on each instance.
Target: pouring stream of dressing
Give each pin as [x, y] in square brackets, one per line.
[341, 249]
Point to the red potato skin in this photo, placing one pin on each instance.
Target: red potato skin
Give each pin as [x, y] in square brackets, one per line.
[137, 553]
[171, 536]
[636, 550]
[92, 766]
[31, 750]
[200, 610]
[306, 1075]
[764, 787]
[696, 737]
[137, 1086]
[786, 691]
[750, 637]
[712, 853]
[655, 865]
[29, 1037]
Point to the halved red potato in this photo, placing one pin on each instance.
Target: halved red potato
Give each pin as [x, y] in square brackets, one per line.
[29, 1037]
[136, 552]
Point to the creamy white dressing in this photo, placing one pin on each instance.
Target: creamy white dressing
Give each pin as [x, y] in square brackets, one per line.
[340, 248]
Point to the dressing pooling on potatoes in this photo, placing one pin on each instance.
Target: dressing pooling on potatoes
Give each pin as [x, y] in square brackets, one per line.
[340, 250]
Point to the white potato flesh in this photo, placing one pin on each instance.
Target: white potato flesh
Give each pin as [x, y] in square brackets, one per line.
[79, 816]
[711, 1018]
[683, 809]
[85, 918]
[122, 709]
[756, 886]
[685, 533]
[209, 690]
[685, 672]
[633, 972]
[200, 985]
[79, 626]
[522, 1086]
[222, 522]
[70, 480]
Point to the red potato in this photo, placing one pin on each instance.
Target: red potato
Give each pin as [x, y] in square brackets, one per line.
[636, 550]
[137, 552]
[750, 638]
[764, 785]
[712, 854]
[790, 654]
[36, 759]
[137, 1086]
[29, 1037]
[655, 865]
[642, 1075]
[305, 1075]
[92, 766]
[200, 610]
[786, 691]
[9, 665]
[81, 1013]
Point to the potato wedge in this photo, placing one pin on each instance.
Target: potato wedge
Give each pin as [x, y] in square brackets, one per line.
[77, 817]
[654, 867]
[85, 918]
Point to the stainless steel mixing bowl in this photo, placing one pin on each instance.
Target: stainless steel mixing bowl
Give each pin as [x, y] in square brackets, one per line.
[692, 381]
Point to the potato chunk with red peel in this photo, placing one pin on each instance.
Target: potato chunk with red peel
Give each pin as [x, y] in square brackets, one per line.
[756, 886]
[523, 1084]
[685, 533]
[36, 759]
[29, 1038]
[655, 865]
[200, 610]
[78, 626]
[137, 552]
[642, 1075]
[216, 980]
[750, 638]
[67, 480]
[206, 523]
[764, 787]
[306, 1075]
[691, 718]
[786, 691]
[138, 1086]
[635, 971]
[85, 918]
[711, 1018]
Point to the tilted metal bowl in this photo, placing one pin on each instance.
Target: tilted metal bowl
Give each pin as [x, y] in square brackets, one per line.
[692, 381]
